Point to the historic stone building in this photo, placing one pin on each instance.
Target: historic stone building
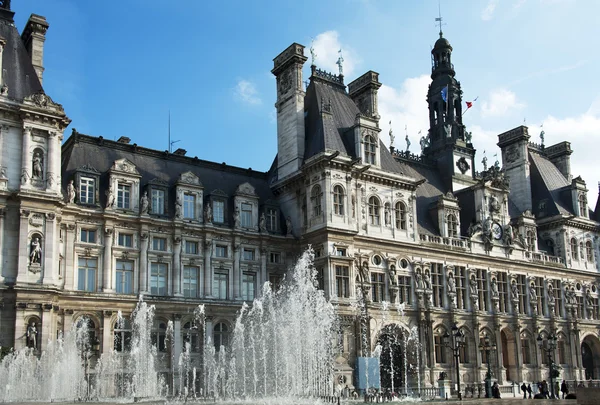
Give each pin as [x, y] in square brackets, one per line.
[405, 245]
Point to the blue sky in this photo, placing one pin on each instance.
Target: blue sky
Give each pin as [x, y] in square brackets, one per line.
[119, 67]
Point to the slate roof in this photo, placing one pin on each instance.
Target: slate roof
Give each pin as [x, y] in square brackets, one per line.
[19, 74]
[80, 150]
[548, 183]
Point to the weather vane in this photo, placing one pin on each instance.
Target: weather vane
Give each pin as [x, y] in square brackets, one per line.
[340, 62]
[439, 18]
[313, 54]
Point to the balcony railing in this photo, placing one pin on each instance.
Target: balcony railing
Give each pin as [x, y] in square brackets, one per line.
[449, 243]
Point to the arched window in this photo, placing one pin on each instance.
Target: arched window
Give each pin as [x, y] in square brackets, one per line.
[574, 250]
[159, 335]
[315, 197]
[374, 211]
[530, 241]
[370, 148]
[463, 352]
[439, 347]
[87, 328]
[582, 205]
[526, 349]
[190, 335]
[400, 215]
[452, 226]
[221, 335]
[589, 252]
[338, 200]
[122, 335]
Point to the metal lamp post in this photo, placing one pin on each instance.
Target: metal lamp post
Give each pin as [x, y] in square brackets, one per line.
[488, 347]
[549, 350]
[455, 342]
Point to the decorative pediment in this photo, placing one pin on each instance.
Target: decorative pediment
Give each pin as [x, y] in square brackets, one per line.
[42, 100]
[495, 177]
[218, 192]
[124, 166]
[88, 168]
[189, 178]
[246, 189]
[158, 182]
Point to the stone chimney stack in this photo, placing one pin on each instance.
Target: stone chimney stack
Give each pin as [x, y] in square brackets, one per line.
[515, 161]
[363, 91]
[34, 36]
[560, 155]
[287, 68]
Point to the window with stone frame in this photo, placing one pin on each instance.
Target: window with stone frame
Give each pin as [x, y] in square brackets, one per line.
[589, 251]
[218, 209]
[561, 351]
[580, 306]
[159, 244]
[523, 293]
[124, 277]
[374, 211]
[370, 150]
[189, 206]
[558, 298]
[482, 287]
[158, 278]
[125, 239]
[452, 226]
[158, 336]
[485, 353]
[248, 254]
[582, 201]
[275, 281]
[221, 251]
[191, 247]
[275, 257]
[272, 218]
[405, 289]
[460, 279]
[316, 197]
[338, 200]
[87, 274]
[530, 235]
[158, 201]
[437, 284]
[593, 311]
[190, 281]
[246, 215]
[439, 349]
[191, 335]
[377, 286]
[87, 235]
[221, 335]
[123, 334]
[574, 249]
[463, 351]
[320, 278]
[124, 195]
[541, 297]
[221, 284]
[248, 285]
[526, 350]
[87, 190]
[400, 215]
[342, 281]
[502, 281]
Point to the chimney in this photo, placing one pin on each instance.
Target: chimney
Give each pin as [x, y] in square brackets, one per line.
[180, 152]
[560, 155]
[514, 145]
[124, 139]
[363, 91]
[287, 68]
[33, 37]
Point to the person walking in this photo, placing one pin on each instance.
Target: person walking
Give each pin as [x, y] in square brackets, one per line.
[524, 389]
[564, 388]
[529, 390]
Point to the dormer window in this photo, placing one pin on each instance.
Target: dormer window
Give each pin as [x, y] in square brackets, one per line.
[338, 200]
[582, 205]
[87, 190]
[246, 217]
[400, 215]
[189, 206]
[452, 226]
[272, 219]
[574, 249]
[315, 196]
[218, 211]
[158, 201]
[530, 241]
[374, 211]
[123, 196]
[370, 150]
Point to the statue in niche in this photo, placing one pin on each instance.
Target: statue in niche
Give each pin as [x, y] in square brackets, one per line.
[451, 283]
[386, 214]
[178, 208]
[419, 280]
[208, 214]
[393, 276]
[236, 217]
[262, 224]
[38, 168]
[35, 254]
[494, 205]
[589, 300]
[532, 294]
[353, 205]
[514, 291]
[473, 286]
[288, 225]
[144, 203]
[551, 297]
[71, 193]
[31, 336]
[494, 287]
[508, 235]
[427, 280]
[110, 198]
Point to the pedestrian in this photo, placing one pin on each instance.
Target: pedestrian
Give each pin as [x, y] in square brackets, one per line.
[496, 390]
[529, 390]
[564, 388]
[556, 390]
[524, 389]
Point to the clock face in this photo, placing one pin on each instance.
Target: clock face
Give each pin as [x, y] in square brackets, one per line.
[496, 231]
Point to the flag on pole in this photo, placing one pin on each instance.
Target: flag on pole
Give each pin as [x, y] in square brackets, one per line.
[445, 94]
[470, 103]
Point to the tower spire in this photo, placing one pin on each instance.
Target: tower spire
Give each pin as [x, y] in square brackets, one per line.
[439, 18]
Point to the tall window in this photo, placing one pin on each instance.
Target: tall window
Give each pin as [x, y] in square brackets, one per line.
[342, 281]
[440, 349]
[122, 335]
[88, 236]
[190, 281]
[374, 211]
[123, 196]
[589, 252]
[463, 351]
[218, 211]
[315, 197]
[377, 287]
[271, 219]
[370, 148]
[191, 336]
[452, 226]
[574, 250]
[221, 335]
[526, 350]
[437, 284]
[248, 286]
[220, 251]
[502, 281]
[400, 215]
[124, 279]
[530, 241]
[189, 206]
[582, 205]
[338, 200]
[158, 279]
[246, 215]
[274, 257]
[561, 357]
[159, 336]
[158, 202]
[460, 279]
[87, 190]
[523, 292]
[88, 268]
[482, 286]
[405, 289]
[558, 297]
[220, 284]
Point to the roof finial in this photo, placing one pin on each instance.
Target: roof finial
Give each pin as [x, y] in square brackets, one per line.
[313, 54]
[392, 137]
[542, 134]
[439, 19]
[340, 62]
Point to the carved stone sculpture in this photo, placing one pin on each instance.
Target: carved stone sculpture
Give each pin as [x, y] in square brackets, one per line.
[427, 280]
[71, 193]
[31, 336]
[38, 167]
[208, 214]
[473, 285]
[288, 225]
[451, 283]
[419, 280]
[35, 254]
[144, 203]
[178, 209]
[494, 287]
[236, 217]
[263, 223]
[110, 198]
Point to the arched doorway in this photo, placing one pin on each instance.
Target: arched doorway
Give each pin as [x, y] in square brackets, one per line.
[590, 357]
[398, 360]
[509, 355]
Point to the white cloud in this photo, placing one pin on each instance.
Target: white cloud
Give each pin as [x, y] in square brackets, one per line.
[246, 92]
[488, 11]
[500, 103]
[326, 46]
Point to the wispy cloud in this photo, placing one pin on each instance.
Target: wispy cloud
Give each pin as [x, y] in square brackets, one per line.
[488, 11]
[245, 91]
[326, 46]
[499, 103]
[547, 72]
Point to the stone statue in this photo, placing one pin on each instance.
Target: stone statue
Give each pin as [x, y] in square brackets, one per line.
[3, 172]
[474, 227]
[178, 208]
[393, 276]
[353, 205]
[38, 168]
[386, 214]
[551, 297]
[495, 292]
[514, 291]
[35, 254]
[419, 280]
[423, 143]
[542, 134]
[340, 62]
[392, 137]
[508, 235]
[71, 193]
[484, 163]
[313, 55]
[144, 203]
[473, 286]
[110, 198]
[532, 294]
[208, 214]
[487, 230]
[31, 336]
[589, 300]
[494, 205]
[263, 223]
[236, 217]
[427, 280]
[288, 225]
[468, 137]
[451, 283]
[407, 143]
[363, 270]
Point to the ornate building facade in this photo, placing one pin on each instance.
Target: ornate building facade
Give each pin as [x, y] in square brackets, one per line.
[404, 244]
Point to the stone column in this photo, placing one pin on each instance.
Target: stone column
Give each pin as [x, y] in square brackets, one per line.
[4, 276]
[518, 351]
[26, 157]
[107, 261]
[51, 174]
[107, 338]
[50, 246]
[208, 328]
[207, 268]
[263, 270]
[23, 261]
[3, 128]
[236, 271]
[499, 348]
[47, 327]
[143, 263]
[70, 266]
[177, 267]
[177, 340]
[478, 358]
